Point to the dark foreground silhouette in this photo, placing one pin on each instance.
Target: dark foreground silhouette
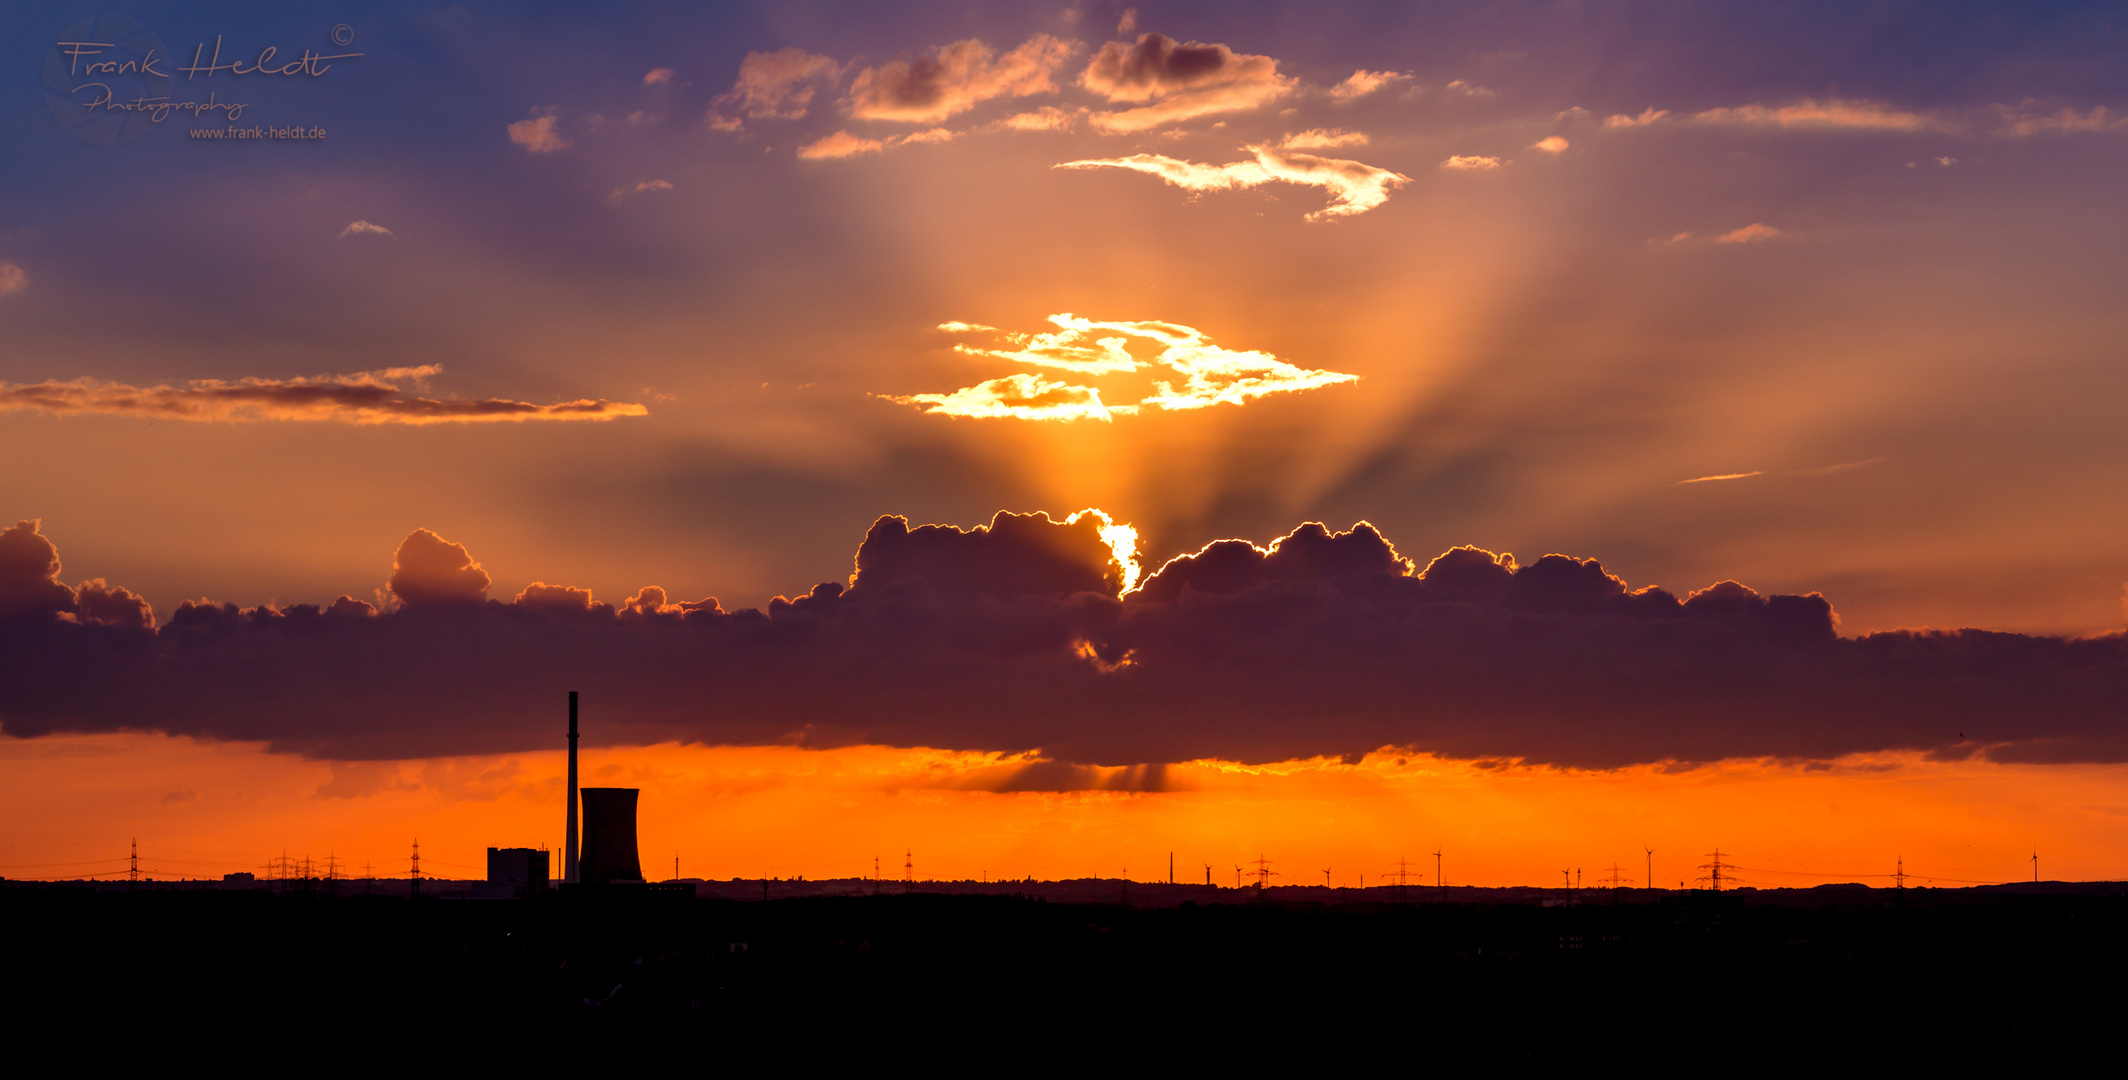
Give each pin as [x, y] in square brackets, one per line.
[1911, 976]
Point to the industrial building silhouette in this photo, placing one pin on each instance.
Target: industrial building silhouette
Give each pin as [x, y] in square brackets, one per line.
[602, 852]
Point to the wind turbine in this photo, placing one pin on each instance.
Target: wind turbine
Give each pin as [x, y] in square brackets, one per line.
[1651, 865]
[1326, 877]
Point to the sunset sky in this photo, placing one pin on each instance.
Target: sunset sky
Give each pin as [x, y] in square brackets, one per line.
[545, 308]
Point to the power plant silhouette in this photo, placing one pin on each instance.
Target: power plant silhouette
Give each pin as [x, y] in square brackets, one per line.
[599, 842]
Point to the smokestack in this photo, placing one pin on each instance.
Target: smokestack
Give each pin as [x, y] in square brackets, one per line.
[569, 852]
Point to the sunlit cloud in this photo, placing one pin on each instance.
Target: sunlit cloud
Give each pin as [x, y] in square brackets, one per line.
[1646, 118]
[1362, 83]
[774, 85]
[1354, 187]
[1046, 118]
[1178, 81]
[13, 278]
[368, 397]
[364, 228]
[1832, 114]
[842, 144]
[1723, 476]
[1212, 375]
[1018, 397]
[956, 78]
[1551, 144]
[1322, 139]
[657, 76]
[1749, 234]
[1460, 88]
[2021, 123]
[1470, 163]
[540, 134]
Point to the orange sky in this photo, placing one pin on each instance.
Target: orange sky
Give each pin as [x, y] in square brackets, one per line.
[203, 809]
[1815, 299]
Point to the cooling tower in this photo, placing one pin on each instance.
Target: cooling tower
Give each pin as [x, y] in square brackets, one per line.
[609, 852]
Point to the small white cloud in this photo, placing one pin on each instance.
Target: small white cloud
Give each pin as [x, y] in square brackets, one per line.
[540, 134]
[1128, 22]
[1459, 88]
[1471, 163]
[364, 228]
[1551, 144]
[1724, 476]
[1946, 162]
[655, 76]
[13, 278]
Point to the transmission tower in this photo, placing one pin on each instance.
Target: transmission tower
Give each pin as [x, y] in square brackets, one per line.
[908, 871]
[414, 874]
[1264, 874]
[1617, 880]
[133, 875]
[1899, 876]
[1398, 880]
[1714, 869]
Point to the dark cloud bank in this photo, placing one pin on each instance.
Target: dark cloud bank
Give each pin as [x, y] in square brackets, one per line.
[1013, 638]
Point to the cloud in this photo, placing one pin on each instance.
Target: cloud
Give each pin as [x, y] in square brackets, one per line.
[367, 397]
[1471, 163]
[540, 134]
[1362, 83]
[30, 588]
[772, 86]
[1724, 476]
[2021, 122]
[1551, 144]
[364, 228]
[1647, 118]
[1459, 88]
[842, 144]
[956, 78]
[1018, 397]
[13, 278]
[1322, 139]
[1354, 187]
[1128, 22]
[1046, 118]
[1749, 234]
[1022, 638]
[427, 570]
[1178, 81]
[657, 76]
[1832, 114]
[639, 187]
[1212, 375]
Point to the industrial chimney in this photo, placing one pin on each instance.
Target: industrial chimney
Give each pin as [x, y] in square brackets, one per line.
[609, 835]
[569, 866]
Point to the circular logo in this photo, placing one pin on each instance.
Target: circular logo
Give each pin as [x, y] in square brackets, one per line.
[107, 80]
[343, 34]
